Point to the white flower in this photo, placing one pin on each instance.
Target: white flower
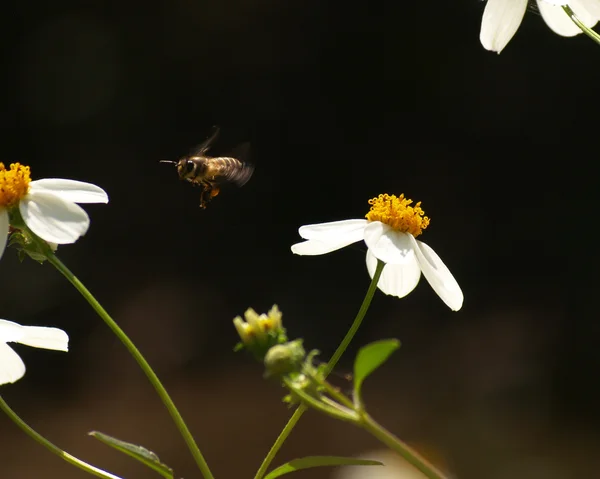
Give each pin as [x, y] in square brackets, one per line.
[47, 206]
[502, 18]
[389, 232]
[11, 365]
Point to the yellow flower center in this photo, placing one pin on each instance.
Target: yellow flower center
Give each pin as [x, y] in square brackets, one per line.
[396, 212]
[14, 183]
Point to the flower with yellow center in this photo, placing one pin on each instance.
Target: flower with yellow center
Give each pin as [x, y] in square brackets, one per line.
[11, 365]
[389, 230]
[48, 207]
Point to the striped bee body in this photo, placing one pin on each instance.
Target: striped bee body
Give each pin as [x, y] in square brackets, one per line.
[210, 172]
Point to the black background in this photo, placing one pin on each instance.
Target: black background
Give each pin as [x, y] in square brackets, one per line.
[340, 102]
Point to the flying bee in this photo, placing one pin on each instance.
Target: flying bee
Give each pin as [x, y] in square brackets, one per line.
[210, 172]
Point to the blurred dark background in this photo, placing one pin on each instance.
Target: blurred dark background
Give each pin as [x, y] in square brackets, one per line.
[340, 102]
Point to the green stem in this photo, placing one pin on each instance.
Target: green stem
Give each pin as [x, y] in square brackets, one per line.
[51, 447]
[395, 444]
[331, 390]
[364, 307]
[334, 359]
[160, 389]
[588, 31]
[334, 410]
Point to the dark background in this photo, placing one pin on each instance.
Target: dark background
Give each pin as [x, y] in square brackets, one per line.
[340, 102]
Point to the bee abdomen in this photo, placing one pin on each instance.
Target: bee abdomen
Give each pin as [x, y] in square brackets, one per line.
[232, 169]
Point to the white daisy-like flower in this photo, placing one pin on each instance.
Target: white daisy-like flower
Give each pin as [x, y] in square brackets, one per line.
[47, 206]
[502, 18]
[389, 230]
[11, 364]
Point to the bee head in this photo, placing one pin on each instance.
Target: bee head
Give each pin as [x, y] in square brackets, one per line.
[186, 168]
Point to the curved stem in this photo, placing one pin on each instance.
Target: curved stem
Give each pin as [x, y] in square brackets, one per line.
[364, 307]
[395, 444]
[51, 447]
[152, 377]
[588, 31]
[332, 391]
[334, 410]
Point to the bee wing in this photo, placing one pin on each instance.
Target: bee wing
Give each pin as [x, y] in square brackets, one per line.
[241, 152]
[203, 147]
[241, 174]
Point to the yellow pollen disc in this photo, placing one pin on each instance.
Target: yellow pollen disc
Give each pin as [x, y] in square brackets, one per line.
[396, 212]
[14, 183]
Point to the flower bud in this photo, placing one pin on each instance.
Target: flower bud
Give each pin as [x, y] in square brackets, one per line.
[259, 333]
[285, 358]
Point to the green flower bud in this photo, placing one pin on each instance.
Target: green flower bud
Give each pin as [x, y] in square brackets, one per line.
[285, 358]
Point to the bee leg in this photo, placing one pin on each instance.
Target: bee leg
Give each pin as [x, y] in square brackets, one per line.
[214, 191]
[204, 196]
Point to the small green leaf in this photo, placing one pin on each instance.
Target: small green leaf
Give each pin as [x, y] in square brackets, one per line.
[140, 453]
[369, 358]
[318, 461]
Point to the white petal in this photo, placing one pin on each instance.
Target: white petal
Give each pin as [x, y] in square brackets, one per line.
[35, 336]
[315, 247]
[11, 365]
[590, 6]
[501, 20]
[334, 230]
[388, 245]
[560, 23]
[396, 279]
[46, 338]
[9, 331]
[52, 218]
[327, 237]
[70, 190]
[439, 276]
[4, 227]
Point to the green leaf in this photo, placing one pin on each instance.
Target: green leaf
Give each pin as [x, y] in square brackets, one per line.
[318, 461]
[369, 358]
[140, 453]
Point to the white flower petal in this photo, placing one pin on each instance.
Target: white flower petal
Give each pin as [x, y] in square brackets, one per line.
[439, 276]
[396, 279]
[327, 237]
[388, 245]
[315, 247]
[501, 20]
[334, 230]
[41, 337]
[590, 6]
[36, 336]
[11, 365]
[4, 228]
[52, 218]
[70, 190]
[9, 331]
[560, 23]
